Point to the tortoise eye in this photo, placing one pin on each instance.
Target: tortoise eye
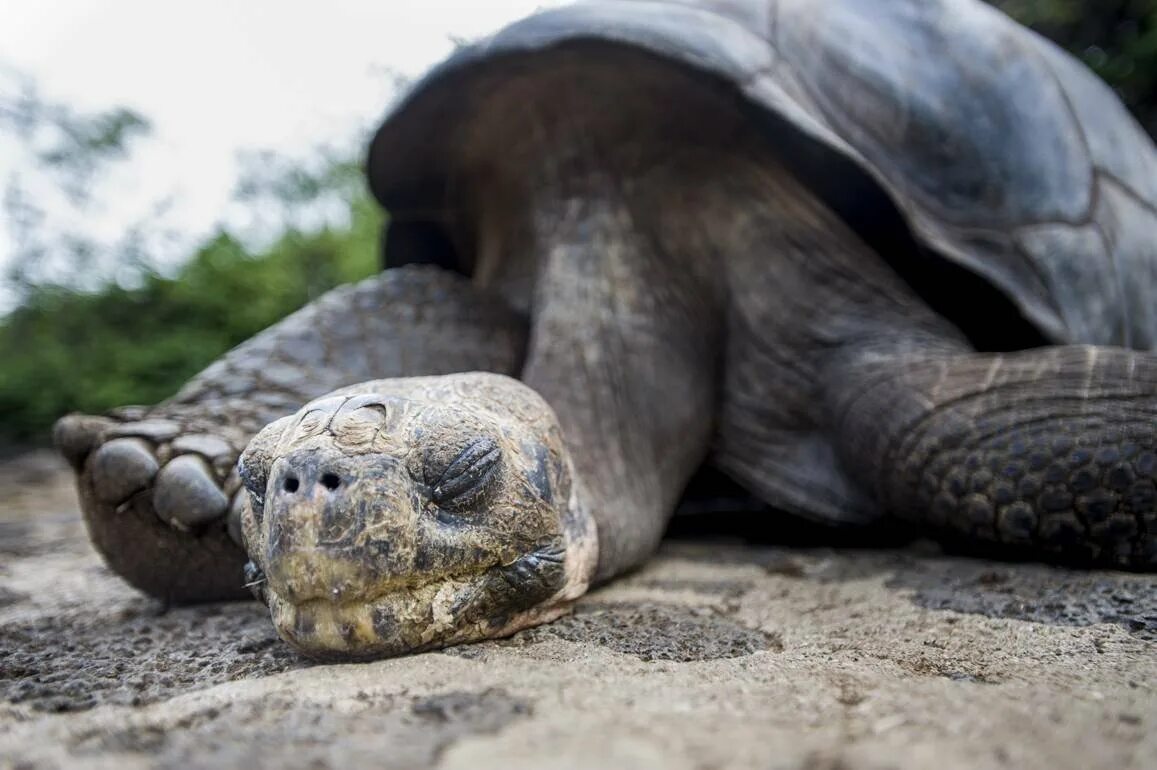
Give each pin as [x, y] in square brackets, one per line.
[469, 476]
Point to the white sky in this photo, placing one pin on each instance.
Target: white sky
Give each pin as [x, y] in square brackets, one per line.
[219, 76]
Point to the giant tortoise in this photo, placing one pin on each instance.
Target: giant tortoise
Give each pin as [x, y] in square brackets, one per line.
[867, 258]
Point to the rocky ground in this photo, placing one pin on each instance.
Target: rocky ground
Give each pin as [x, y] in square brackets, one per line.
[715, 655]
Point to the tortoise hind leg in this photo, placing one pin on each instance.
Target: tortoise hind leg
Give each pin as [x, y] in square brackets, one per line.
[157, 485]
[1053, 451]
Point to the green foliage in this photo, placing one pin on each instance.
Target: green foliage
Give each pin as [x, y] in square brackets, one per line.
[73, 145]
[84, 143]
[64, 351]
[80, 340]
[62, 154]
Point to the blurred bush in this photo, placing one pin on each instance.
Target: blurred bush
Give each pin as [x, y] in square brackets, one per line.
[99, 324]
[63, 351]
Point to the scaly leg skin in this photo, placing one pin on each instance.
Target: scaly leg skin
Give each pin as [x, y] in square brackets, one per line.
[1050, 451]
[846, 397]
[157, 485]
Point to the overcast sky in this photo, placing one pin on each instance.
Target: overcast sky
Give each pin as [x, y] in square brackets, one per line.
[219, 76]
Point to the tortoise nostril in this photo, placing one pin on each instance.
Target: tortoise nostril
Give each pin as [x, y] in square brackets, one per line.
[291, 484]
[330, 481]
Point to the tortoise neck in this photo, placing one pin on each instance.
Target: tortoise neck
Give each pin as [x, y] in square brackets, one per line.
[623, 346]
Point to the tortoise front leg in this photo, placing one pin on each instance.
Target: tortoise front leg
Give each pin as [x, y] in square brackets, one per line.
[624, 348]
[157, 485]
[1051, 450]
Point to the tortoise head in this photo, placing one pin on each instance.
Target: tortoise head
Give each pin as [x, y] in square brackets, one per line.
[413, 513]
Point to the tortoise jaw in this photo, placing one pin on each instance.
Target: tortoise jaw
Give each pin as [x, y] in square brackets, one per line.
[406, 616]
[390, 623]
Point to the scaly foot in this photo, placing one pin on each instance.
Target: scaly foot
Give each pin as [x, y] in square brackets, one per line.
[160, 497]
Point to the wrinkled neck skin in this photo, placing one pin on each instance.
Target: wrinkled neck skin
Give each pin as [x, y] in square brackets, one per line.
[622, 351]
[586, 222]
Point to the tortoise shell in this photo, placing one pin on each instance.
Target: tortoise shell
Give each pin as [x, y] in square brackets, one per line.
[1000, 152]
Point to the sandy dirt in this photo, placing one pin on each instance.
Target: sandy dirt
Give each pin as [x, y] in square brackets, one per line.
[715, 655]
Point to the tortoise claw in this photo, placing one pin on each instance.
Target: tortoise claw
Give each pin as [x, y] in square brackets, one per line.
[186, 494]
[121, 468]
[76, 435]
[155, 496]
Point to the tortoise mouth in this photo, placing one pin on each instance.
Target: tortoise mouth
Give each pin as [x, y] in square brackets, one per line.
[404, 614]
[343, 595]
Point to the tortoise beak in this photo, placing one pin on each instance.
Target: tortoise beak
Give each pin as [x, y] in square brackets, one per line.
[334, 525]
